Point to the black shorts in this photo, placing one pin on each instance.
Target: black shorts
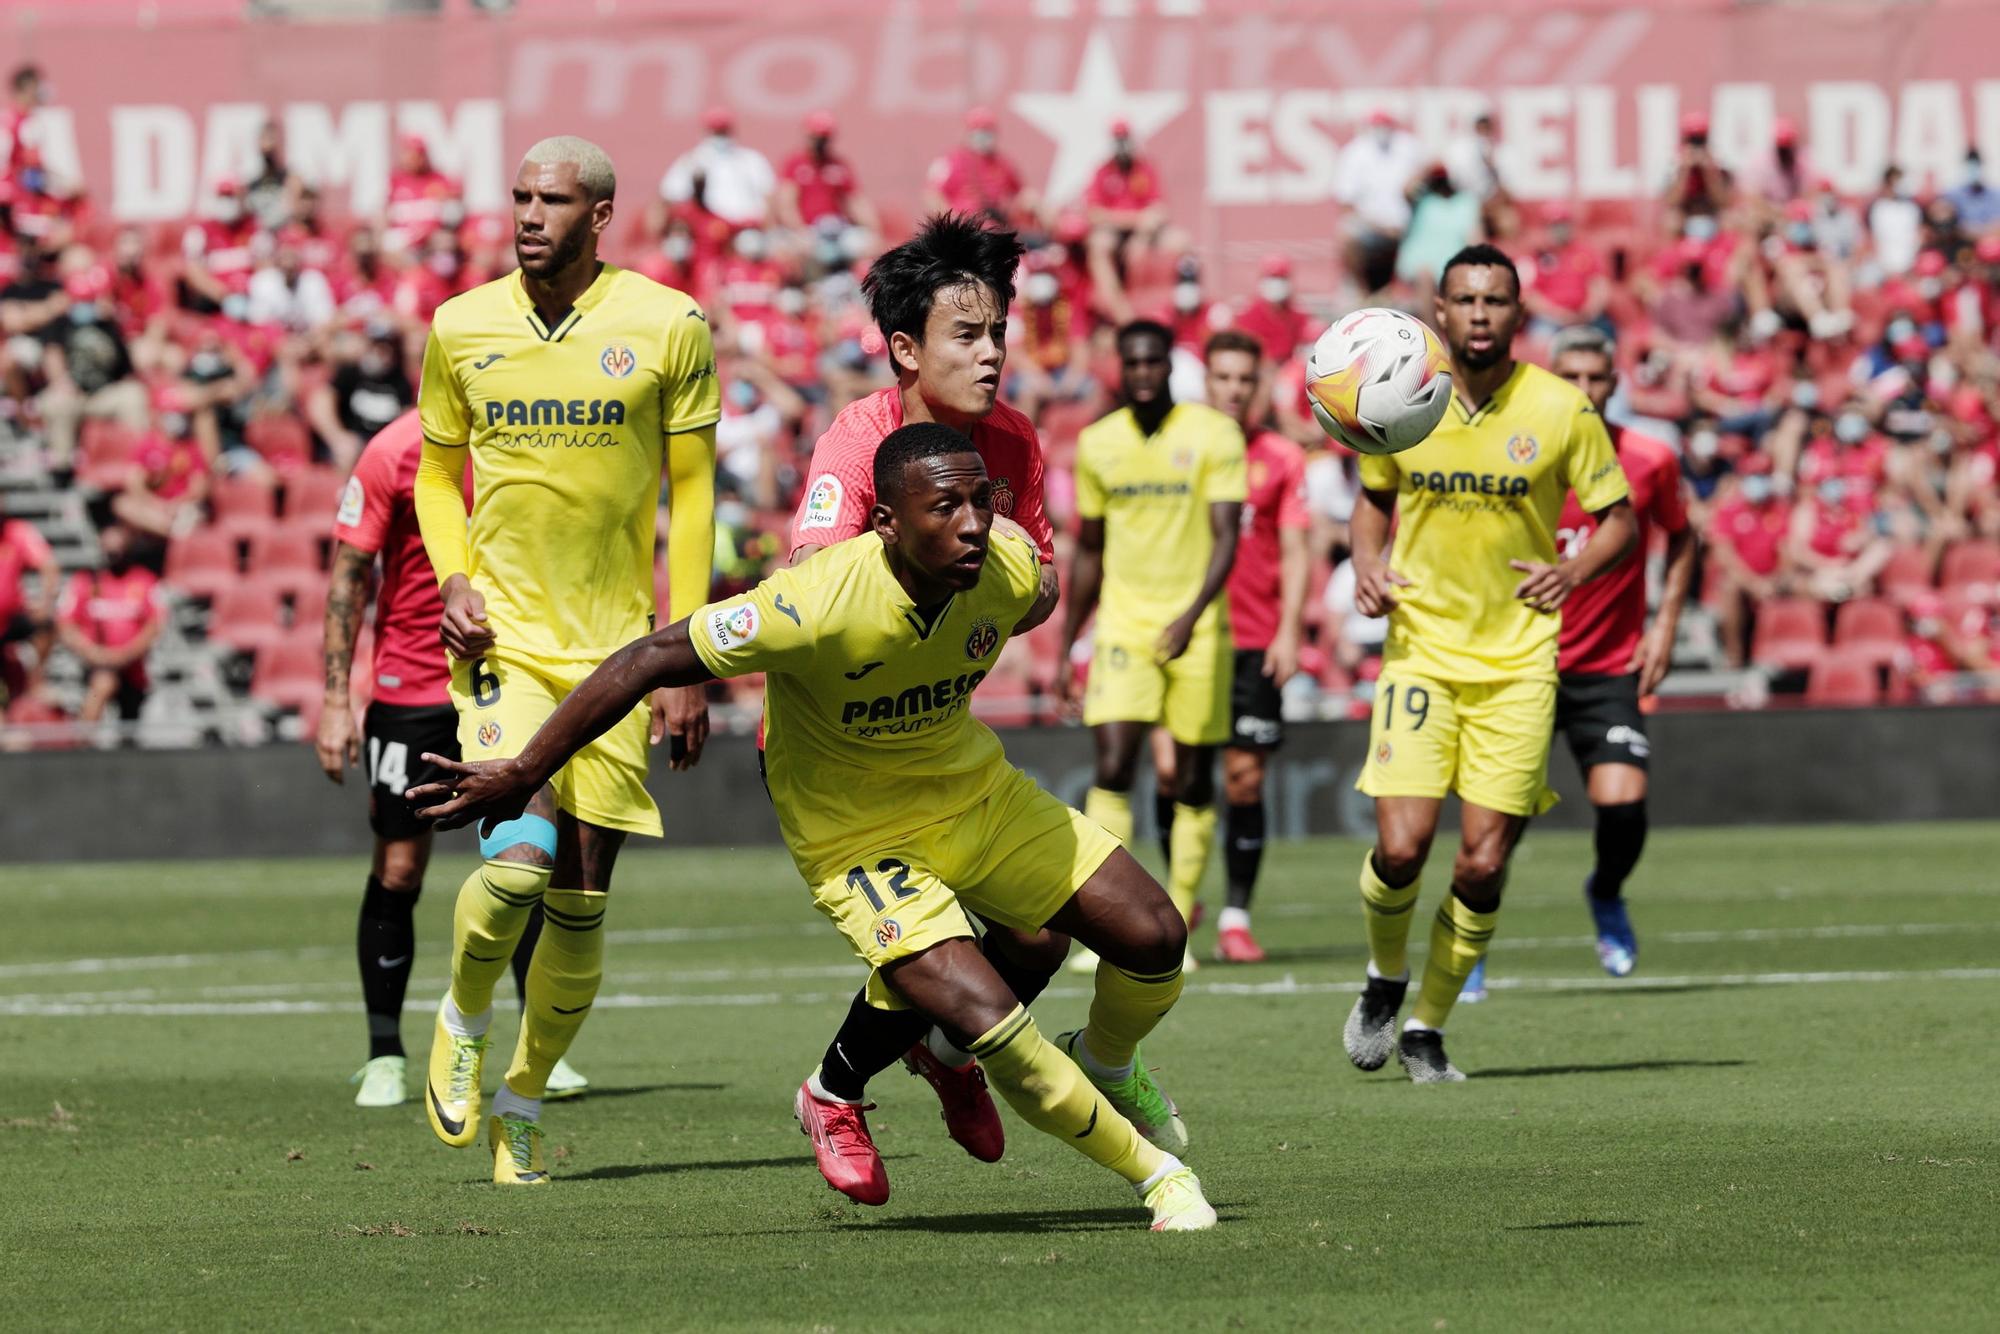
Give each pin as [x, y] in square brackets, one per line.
[1599, 717]
[1256, 707]
[394, 737]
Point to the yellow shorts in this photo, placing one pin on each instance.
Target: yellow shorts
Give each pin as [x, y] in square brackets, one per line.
[1015, 858]
[1188, 696]
[502, 698]
[1487, 741]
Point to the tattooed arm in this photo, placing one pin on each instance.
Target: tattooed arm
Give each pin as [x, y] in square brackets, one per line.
[346, 600]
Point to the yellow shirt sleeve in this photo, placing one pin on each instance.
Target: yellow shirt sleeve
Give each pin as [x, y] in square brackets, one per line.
[1591, 463]
[690, 398]
[1378, 472]
[1223, 479]
[1020, 563]
[690, 519]
[438, 496]
[769, 629]
[441, 403]
[1089, 487]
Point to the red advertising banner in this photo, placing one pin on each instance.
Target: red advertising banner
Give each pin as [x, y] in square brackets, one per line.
[1244, 106]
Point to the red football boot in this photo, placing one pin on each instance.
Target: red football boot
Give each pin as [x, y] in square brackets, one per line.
[1235, 944]
[846, 1154]
[969, 1114]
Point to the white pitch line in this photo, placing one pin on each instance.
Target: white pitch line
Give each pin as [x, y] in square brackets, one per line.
[35, 1007]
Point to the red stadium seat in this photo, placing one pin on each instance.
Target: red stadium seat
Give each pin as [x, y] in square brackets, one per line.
[106, 454]
[1791, 632]
[282, 439]
[202, 563]
[290, 671]
[1907, 574]
[1062, 422]
[308, 603]
[1972, 565]
[1870, 629]
[292, 550]
[1840, 681]
[312, 495]
[243, 503]
[246, 616]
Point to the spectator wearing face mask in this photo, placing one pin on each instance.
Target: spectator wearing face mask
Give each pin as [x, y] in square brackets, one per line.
[437, 276]
[270, 187]
[1698, 186]
[370, 388]
[785, 341]
[737, 181]
[1048, 337]
[976, 178]
[1972, 310]
[1443, 221]
[674, 263]
[1808, 288]
[109, 619]
[1833, 543]
[165, 494]
[818, 188]
[366, 283]
[1738, 384]
[1565, 280]
[87, 369]
[421, 198]
[1692, 288]
[1747, 535]
[1128, 217]
[1784, 174]
[1938, 647]
[1976, 204]
[217, 257]
[1190, 314]
[1371, 179]
[1279, 326]
[26, 94]
[1702, 463]
[1895, 225]
[289, 296]
[749, 279]
[139, 295]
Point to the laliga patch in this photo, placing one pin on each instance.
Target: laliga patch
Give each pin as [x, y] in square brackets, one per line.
[617, 360]
[352, 500]
[822, 508]
[985, 637]
[889, 932]
[732, 627]
[489, 733]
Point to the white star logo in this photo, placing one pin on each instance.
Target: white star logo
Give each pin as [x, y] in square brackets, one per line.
[1080, 120]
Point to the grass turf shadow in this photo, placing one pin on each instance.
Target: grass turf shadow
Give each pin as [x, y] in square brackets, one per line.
[1576, 1225]
[625, 1171]
[635, 1090]
[1610, 1068]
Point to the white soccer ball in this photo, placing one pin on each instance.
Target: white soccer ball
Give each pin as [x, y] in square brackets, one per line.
[1379, 381]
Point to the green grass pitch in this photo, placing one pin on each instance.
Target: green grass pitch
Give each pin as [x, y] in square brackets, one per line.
[1785, 1120]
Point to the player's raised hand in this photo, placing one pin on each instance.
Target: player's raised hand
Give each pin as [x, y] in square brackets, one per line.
[480, 790]
[681, 713]
[1546, 588]
[463, 629]
[1375, 588]
[1651, 660]
[337, 745]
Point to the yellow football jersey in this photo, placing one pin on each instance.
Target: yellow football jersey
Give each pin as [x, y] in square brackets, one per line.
[1483, 489]
[568, 432]
[1153, 494]
[868, 734]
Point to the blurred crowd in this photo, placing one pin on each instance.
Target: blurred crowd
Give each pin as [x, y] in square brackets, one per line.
[1827, 367]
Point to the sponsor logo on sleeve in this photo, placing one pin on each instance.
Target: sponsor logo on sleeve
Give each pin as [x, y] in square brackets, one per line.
[822, 508]
[352, 499]
[732, 627]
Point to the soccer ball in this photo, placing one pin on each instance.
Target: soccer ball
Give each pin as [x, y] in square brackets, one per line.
[1379, 381]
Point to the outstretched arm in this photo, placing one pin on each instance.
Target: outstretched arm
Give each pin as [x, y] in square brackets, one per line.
[500, 789]
[1225, 523]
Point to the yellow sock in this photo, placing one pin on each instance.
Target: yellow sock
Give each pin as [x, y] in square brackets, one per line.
[1193, 837]
[1052, 1095]
[488, 919]
[1459, 937]
[1386, 912]
[563, 978]
[1113, 810]
[1124, 1009]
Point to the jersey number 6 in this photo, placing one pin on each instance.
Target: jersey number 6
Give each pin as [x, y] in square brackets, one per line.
[485, 684]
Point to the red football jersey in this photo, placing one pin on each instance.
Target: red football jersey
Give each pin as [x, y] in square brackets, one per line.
[1276, 500]
[378, 514]
[824, 185]
[842, 489]
[1603, 620]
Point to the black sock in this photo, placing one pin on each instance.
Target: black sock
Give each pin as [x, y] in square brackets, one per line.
[383, 944]
[1163, 818]
[1243, 850]
[524, 953]
[1025, 982]
[1621, 837]
[869, 1042]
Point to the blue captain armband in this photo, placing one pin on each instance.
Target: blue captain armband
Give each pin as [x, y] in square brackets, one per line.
[530, 829]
